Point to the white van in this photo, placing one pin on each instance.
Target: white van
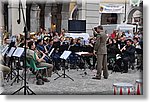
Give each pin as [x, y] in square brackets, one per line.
[120, 27]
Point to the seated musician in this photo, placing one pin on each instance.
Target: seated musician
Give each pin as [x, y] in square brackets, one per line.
[128, 54]
[62, 39]
[21, 43]
[56, 35]
[40, 62]
[92, 43]
[38, 35]
[112, 49]
[73, 42]
[67, 40]
[6, 70]
[89, 48]
[139, 52]
[45, 41]
[78, 43]
[55, 43]
[73, 57]
[49, 46]
[121, 42]
[41, 47]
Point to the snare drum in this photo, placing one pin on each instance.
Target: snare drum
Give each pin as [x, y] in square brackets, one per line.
[123, 89]
[139, 87]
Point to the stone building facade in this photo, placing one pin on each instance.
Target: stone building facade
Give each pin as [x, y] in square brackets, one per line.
[54, 14]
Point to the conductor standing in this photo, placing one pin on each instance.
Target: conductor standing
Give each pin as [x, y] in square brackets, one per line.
[100, 50]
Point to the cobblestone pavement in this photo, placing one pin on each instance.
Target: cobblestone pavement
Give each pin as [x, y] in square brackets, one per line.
[82, 84]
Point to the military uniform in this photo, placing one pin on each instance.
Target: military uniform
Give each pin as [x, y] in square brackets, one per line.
[101, 51]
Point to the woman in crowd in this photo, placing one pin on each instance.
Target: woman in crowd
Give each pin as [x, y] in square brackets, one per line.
[40, 61]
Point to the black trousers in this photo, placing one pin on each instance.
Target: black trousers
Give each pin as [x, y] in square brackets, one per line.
[125, 62]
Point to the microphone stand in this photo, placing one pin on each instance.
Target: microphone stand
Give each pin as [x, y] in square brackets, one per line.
[25, 87]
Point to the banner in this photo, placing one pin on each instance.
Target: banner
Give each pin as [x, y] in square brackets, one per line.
[112, 8]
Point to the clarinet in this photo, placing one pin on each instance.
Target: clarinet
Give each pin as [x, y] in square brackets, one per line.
[43, 53]
[123, 48]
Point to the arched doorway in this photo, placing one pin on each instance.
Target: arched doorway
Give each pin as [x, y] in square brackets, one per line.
[109, 18]
[74, 13]
[135, 17]
[132, 12]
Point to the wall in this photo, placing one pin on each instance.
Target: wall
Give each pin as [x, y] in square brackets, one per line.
[14, 27]
[1, 15]
[89, 11]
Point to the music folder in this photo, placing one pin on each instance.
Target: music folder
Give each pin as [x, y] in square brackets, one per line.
[11, 52]
[65, 55]
[18, 52]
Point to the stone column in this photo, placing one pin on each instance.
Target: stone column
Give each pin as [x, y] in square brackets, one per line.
[65, 16]
[82, 9]
[1, 22]
[48, 16]
[1, 15]
[13, 15]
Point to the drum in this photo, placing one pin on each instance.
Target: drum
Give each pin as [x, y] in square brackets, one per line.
[139, 87]
[123, 89]
[1, 89]
[1, 79]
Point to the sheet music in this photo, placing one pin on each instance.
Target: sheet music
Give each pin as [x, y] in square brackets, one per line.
[51, 52]
[65, 55]
[4, 50]
[11, 51]
[18, 52]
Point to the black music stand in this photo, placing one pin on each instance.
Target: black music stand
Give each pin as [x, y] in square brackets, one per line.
[9, 54]
[64, 57]
[49, 55]
[25, 87]
[74, 49]
[17, 54]
[81, 56]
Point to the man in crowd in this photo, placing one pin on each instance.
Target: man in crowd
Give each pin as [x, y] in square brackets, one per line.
[128, 52]
[100, 50]
[129, 35]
